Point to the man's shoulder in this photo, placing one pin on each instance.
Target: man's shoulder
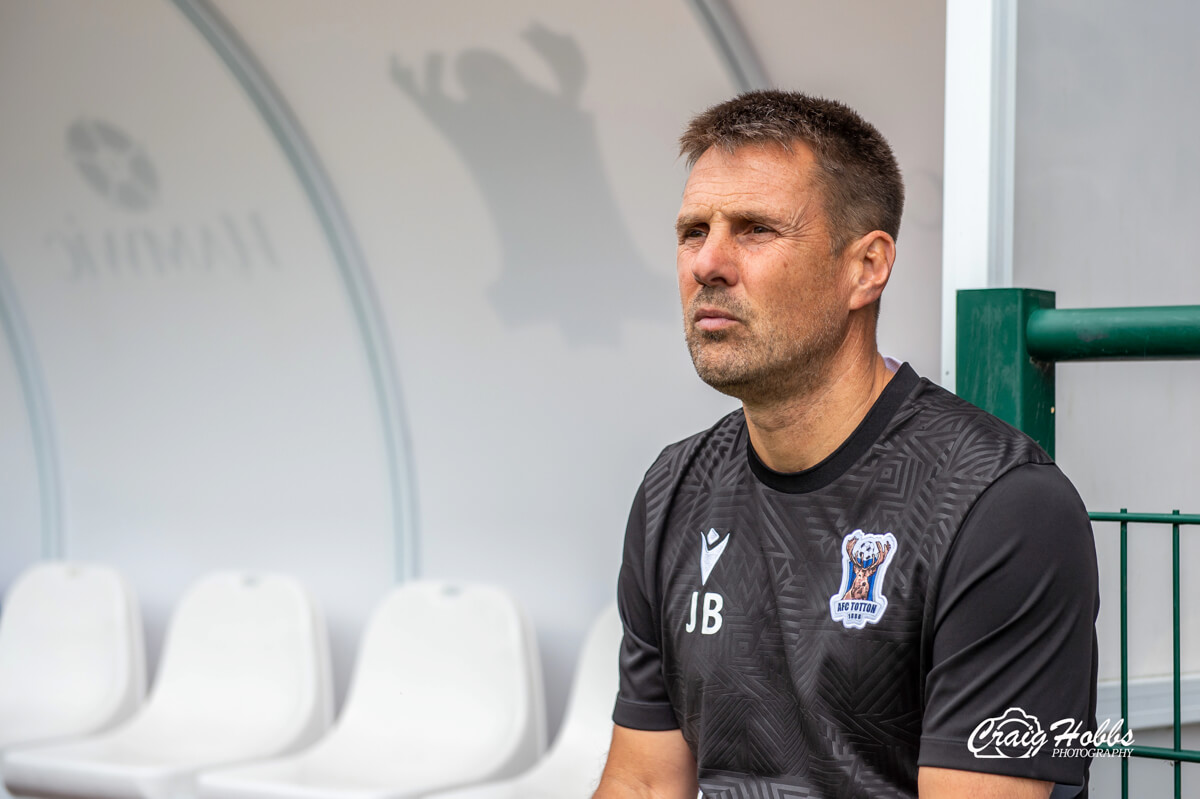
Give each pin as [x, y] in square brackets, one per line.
[703, 449]
[965, 431]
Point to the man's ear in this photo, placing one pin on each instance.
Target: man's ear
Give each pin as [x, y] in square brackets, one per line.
[870, 266]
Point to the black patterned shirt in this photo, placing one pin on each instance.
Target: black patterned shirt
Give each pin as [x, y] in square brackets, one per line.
[925, 596]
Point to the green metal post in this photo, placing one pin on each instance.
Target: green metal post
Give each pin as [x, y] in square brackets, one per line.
[1148, 518]
[1076, 334]
[1177, 684]
[1125, 646]
[994, 368]
[1175, 756]
[1008, 343]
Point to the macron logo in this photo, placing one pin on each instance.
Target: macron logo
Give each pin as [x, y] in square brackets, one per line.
[713, 546]
[708, 616]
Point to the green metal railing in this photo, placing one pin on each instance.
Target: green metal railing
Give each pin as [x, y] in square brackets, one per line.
[1177, 754]
[1008, 343]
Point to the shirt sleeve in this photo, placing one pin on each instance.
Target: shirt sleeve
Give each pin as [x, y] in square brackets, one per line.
[642, 701]
[1014, 647]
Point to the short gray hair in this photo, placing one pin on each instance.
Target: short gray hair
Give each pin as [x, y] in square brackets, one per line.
[856, 172]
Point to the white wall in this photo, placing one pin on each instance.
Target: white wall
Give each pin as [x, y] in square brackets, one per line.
[530, 295]
[207, 389]
[1105, 208]
[21, 527]
[887, 60]
[519, 236]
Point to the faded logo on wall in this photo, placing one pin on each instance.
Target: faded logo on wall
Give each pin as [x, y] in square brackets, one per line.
[113, 164]
[566, 254]
[118, 169]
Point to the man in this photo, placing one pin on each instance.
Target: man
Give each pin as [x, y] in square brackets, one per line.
[858, 585]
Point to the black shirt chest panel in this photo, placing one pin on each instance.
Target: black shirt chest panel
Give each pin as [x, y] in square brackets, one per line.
[764, 680]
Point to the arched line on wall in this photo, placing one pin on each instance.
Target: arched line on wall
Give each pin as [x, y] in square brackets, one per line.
[732, 44]
[346, 251]
[33, 392]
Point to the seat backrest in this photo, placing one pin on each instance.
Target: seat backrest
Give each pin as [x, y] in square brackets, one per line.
[72, 657]
[445, 663]
[574, 763]
[245, 655]
[587, 722]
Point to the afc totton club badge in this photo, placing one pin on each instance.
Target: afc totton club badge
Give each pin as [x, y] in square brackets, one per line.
[865, 558]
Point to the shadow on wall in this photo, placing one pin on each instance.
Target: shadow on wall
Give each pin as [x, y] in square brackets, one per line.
[567, 256]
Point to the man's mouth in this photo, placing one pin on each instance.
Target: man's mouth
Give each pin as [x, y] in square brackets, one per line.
[710, 319]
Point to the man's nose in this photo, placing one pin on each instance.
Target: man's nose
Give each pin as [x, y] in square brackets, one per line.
[715, 262]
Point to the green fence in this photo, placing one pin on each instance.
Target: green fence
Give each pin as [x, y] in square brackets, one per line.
[1008, 343]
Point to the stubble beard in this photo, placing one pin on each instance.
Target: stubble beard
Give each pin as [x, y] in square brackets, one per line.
[762, 364]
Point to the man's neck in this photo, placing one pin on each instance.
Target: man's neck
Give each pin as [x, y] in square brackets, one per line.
[798, 433]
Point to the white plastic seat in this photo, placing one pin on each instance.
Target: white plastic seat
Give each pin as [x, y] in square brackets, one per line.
[244, 675]
[72, 657]
[447, 691]
[572, 767]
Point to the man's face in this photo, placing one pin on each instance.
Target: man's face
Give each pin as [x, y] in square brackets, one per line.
[765, 304]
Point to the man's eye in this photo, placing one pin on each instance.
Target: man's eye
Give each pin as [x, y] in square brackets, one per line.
[759, 230]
